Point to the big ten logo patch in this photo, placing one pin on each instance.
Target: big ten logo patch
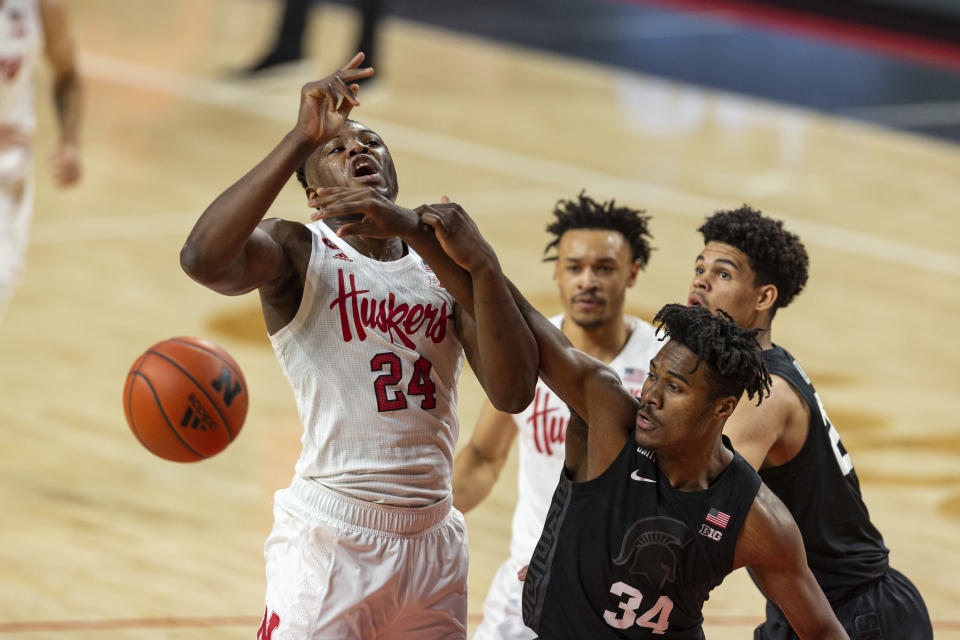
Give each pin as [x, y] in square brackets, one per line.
[432, 278]
[709, 532]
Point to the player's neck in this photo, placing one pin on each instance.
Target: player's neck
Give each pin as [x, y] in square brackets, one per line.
[384, 250]
[604, 342]
[694, 468]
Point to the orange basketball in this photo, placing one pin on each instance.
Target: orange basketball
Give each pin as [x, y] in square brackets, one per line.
[185, 399]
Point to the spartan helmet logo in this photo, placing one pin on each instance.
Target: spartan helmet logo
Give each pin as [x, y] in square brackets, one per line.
[650, 548]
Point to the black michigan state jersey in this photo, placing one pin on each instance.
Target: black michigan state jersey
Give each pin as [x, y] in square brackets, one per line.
[821, 490]
[626, 555]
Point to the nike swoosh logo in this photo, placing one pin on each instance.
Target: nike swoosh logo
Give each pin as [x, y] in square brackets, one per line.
[640, 478]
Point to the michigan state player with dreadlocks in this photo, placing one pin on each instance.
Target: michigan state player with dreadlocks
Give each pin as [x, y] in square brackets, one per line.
[653, 507]
[598, 249]
[750, 266]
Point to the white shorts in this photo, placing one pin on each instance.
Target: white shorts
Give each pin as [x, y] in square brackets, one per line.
[502, 612]
[340, 568]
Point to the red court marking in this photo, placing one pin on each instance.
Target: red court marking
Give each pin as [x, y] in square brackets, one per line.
[886, 41]
[132, 623]
[253, 621]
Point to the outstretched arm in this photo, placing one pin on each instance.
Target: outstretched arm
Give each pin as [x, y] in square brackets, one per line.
[67, 89]
[226, 250]
[771, 545]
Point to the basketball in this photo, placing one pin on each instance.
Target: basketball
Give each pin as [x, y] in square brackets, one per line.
[185, 399]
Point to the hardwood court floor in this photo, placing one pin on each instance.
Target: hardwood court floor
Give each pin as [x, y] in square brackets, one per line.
[98, 539]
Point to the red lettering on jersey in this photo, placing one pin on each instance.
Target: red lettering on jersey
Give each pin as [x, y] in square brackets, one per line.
[397, 320]
[10, 67]
[548, 430]
[270, 622]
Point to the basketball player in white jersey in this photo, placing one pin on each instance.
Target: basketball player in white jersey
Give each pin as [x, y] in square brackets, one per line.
[600, 248]
[366, 542]
[27, 28]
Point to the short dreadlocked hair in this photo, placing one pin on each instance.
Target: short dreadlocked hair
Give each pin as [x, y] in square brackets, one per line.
[587, 213]
[734, 357]
[776, 256]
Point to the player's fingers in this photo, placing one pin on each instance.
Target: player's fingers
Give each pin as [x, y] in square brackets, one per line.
[351, 228]
[433, 219]
[354, 62]
[445, 199]
[341, 208]
[323, 197]
[342, 89]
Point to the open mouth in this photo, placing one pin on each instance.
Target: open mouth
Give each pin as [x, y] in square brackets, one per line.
[645, 423]
[696, 301]
[364, 167]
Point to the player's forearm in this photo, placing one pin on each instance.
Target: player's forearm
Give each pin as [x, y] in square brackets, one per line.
[219, 236]
[473, 479]
[68, 103]
[557, 365]
[505, 343]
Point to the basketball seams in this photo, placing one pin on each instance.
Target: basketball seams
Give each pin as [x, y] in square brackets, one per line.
[233, 366]
[213, 403]
[128, 405]
[164, 414]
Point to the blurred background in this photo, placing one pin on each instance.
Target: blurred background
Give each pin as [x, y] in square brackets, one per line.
[841, 118]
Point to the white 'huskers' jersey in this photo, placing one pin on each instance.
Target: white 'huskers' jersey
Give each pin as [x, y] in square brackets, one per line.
[21, 37]
[542, 428]
[373, 361]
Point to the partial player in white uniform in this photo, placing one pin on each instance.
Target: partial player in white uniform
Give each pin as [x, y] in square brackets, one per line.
[366, 542]
[600, 249]
[28, 27]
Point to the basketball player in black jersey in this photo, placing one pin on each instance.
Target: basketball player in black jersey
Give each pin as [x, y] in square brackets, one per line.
[750, 267]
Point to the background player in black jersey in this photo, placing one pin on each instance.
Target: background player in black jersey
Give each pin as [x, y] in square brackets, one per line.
[750, 267]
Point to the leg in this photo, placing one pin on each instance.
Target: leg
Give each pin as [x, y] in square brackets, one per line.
[288, 44]
[16, 211]
[370, 12]
[434, 568]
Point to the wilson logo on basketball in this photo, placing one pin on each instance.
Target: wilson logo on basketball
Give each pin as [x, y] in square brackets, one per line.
[397, 320]
[196, 417]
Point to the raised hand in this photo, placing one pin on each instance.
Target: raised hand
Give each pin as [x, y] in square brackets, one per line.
[458, 234]
[382, 218]
[325, 104]
[65, 164]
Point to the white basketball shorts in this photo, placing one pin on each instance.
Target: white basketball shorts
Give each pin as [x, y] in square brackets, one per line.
[339, 568]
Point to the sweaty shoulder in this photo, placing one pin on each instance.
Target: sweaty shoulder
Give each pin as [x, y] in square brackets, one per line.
[769, 535]
[287, 233]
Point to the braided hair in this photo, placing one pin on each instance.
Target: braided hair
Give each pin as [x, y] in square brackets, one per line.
[734, 357]
[587, 213]
[776, 256]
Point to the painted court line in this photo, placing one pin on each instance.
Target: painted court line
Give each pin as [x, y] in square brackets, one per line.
[242, 98]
